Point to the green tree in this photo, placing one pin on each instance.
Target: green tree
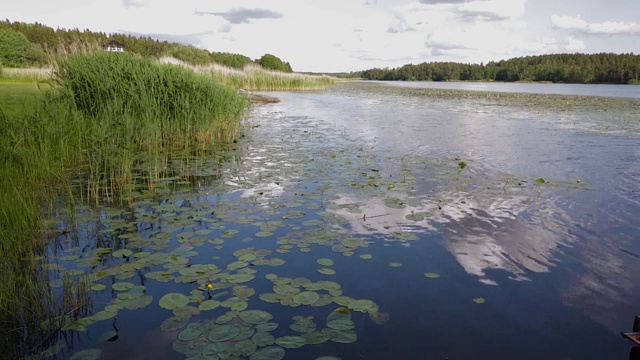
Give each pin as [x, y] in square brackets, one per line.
[272, 62]
[13, 48]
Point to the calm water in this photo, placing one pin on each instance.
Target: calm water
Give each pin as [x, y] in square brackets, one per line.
[351, 172]
[630, 91]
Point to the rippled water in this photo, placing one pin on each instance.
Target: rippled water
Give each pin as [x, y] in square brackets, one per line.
[630, 91]
[555, 264]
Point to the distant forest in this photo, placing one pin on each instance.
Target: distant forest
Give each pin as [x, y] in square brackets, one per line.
[23, 44]
[565, 68]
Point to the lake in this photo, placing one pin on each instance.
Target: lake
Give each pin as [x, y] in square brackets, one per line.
[369, 221]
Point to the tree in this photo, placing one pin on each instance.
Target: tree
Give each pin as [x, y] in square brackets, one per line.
[272, 62]
[13, 48]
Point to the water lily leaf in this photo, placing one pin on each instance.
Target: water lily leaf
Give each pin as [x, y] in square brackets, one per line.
[255, 316]
[103, 315]
[316, 337]
[405, 236]
[192, 331]
[262, 338]
[89, 354]
[224, 332]
[366, 306]
[240, 278]
[306, 297]
[479, 300]
[326, 271]
[270, 298]
[325, 262]
[209, 305]
[173, 300]
[122, 286]
[174, 323]
[541, 180]
[290, 342]
[122, 253]
[342, 336]
[75, 326]
[98, 287]
[270, 326]
[431, 275]
[380, 318]
[268, 353]
[216, 351]
[395, 264]
[243, 348]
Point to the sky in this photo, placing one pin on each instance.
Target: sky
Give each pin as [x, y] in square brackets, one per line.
[351, 35]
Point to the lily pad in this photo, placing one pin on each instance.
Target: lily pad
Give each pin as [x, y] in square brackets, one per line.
[122, 253]
[306, 297]
[174, 323]
[224, 332]
[192, 331]
[262, 338]
[122, 286]
[325, 262]
[395, 264]
[290, 342]
[431, 275]
[173, 300]
[366, 306]
[326, 271]
[268, 353]
[209, 305]
[89, 354]
[255, 316]
[216, 351]
[479, 300]
[240, 278]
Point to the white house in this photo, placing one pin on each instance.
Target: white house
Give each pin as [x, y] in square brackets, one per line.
[114, 46]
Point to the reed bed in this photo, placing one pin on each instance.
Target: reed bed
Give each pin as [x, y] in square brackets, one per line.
[26, 74]
[108, 111]
[255, 78]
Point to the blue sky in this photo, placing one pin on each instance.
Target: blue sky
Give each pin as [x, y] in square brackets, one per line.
[347, 35]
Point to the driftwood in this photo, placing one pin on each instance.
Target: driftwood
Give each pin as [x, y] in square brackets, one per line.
[263, 99]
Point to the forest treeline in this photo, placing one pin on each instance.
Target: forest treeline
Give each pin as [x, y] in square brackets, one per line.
[24, 44]
[566, 68]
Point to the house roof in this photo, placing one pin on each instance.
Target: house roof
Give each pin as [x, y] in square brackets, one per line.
[114, 43]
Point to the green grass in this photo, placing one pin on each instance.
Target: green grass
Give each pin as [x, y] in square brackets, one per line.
[106, 111]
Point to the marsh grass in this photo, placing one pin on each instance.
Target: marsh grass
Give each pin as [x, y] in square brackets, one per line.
[80, 141]
[26, 74]
[254, 77]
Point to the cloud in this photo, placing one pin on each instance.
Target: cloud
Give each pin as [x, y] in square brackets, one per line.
[491, 10]
[438, 48]
[133, 3]
[242, 15]
[400, 25]
[607, 28]
[431, 2]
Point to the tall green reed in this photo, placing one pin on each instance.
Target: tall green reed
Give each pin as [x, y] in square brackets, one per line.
[80, 142]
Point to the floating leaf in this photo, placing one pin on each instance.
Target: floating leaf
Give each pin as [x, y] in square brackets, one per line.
[192, 331]
[122, 253]
[256, 316]
[224, 332]
[326, 271]
[366, 306]
[325, 262]
[462, 164]
[122, 286]
[290, 342]
[379, 317]
[98, 287]
[217, 350]
[89, 354]
[431, 275]
[366, 256]
[541, 180]
[240, 278]
[173, 300]
[479, 300]
[342, 336]
[268, 353]
[262, 338]
[174, 323]
[395, 264]
[208, 305]
[306, 297]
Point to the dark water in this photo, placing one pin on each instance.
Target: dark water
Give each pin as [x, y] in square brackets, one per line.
[629, 91]
[555, 264]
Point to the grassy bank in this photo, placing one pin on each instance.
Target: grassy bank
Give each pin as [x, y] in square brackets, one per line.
[253, 77]
[79, 140]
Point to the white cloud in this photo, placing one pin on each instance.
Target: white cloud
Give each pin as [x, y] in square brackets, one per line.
[577, 24]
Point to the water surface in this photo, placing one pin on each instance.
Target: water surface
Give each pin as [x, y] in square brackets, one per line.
[371, 178]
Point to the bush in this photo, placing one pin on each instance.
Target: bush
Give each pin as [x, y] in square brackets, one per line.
[14, 47]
